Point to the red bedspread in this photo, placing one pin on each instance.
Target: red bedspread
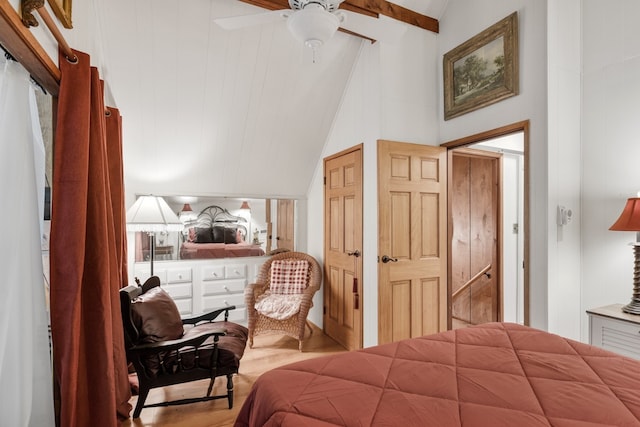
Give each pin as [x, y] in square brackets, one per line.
[497, 374]
[190, 250]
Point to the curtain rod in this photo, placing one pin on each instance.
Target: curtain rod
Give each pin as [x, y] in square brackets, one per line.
[30, 21]
[20, 42]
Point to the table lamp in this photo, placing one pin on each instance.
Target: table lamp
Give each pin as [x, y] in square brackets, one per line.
[151, 214]
[629, 220]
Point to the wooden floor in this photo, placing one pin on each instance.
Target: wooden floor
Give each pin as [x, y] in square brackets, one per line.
[268, 352]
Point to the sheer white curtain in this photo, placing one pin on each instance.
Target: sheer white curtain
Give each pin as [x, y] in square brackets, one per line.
[26, 397]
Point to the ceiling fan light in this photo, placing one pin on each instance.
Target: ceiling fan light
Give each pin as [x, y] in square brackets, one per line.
[313, 26]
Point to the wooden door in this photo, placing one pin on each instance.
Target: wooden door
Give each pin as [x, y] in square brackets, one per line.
[342, 249]
[285, 237]
[267, 212]
[412, 221]
[475, 232]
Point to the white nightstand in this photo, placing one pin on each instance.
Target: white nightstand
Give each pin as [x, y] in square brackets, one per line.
[615, 330]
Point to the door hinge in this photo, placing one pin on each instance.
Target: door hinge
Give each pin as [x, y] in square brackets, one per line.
[324, 310]
[324, 180]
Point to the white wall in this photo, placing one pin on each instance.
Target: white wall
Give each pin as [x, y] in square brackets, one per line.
[390, 95]
[565, 313]
[610, 147]
[462, 20]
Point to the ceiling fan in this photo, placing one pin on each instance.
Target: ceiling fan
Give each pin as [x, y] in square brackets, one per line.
[316, 21]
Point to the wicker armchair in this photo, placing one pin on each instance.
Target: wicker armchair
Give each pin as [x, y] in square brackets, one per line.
[295, 325]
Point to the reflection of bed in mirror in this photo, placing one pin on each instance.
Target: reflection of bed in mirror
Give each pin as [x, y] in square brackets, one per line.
[217, 234]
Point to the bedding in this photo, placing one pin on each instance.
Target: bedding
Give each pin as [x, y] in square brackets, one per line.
[218, 234]
[495, 374]
[191, 250]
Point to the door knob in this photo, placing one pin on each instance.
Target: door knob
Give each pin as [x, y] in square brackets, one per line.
[355, 253]
[386, 259]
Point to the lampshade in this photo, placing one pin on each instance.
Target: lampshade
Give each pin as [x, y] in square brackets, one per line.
[313, 25]
[245, 205]
[629, 219]
[187, 214]
[152, 214]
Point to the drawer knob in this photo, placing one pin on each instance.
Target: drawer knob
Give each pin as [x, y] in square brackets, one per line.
[179, 276]
[225, 302]
[226, 288]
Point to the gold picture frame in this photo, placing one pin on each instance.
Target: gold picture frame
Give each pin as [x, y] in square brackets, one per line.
[62, 10]
[483, 70]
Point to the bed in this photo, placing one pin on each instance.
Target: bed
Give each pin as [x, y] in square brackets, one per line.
[495, 374]
[191, 250]
[216, 233]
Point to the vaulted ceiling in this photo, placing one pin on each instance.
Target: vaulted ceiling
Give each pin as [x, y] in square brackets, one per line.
[208, 111]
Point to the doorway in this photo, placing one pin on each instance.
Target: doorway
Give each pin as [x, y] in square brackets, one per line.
[475, 272]
[510, 144]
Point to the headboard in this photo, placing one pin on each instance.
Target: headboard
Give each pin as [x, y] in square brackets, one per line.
[214, 217]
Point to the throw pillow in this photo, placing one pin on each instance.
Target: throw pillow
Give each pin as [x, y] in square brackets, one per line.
[289, 276]
[203, 235]
[156, 316]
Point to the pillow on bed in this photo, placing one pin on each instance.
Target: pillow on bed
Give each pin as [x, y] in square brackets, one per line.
[289, 276]
[203, 235]
[230, 235]
[218, 234]
[223, 234]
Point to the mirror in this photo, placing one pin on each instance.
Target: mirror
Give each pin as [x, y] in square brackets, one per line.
[223, 227]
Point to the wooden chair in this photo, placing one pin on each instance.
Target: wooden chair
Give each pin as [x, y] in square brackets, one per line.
[295, 325]
[167, 350]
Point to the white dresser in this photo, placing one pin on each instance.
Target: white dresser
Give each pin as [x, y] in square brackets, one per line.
[199, 286]
[615, 330]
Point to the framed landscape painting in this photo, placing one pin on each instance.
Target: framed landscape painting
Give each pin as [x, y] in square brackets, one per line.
[483, 70]
[62, 10]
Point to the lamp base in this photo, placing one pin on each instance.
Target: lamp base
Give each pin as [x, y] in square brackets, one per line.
[634, 306]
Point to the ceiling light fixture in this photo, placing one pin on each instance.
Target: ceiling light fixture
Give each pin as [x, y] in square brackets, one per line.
[314, 25]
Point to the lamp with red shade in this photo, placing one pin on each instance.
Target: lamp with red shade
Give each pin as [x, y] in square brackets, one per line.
[629, 220]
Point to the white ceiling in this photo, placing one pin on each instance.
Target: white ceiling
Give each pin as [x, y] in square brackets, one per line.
[210, 112]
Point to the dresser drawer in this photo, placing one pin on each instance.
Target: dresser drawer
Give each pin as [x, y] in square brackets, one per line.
[184, 307]
[179, 275]
[178, 290]
[617, 336]
[227, 287]
[220, 301]
[235, 271]
[213, 272]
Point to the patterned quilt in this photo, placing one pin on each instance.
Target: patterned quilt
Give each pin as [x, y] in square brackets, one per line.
[496, 374]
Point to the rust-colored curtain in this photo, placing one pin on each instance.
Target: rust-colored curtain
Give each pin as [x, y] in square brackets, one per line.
[87, 259]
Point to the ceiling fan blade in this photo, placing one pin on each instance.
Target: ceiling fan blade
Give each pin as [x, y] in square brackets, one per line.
[387, 30]
[244, 21]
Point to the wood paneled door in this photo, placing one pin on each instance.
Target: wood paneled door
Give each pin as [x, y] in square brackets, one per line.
[474, 198]
[342, 248]
[412, 221]
[286, 227]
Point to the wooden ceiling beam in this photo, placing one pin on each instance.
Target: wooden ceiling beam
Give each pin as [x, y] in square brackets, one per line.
[269, 4]
[284, 4]
[394, 11]
[372, 8]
